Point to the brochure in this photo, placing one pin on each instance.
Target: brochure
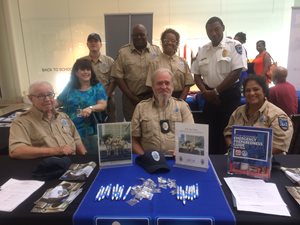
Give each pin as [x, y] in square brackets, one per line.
[295, 192]
[114, 144]
[57, 199]
[292, 173]
[78, 172]
[251, 151]
[191, 146]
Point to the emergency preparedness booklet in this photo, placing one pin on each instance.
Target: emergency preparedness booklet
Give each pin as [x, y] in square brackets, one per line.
[251, 151]
[191, 146]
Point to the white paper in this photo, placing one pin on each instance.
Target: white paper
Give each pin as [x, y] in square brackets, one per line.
[14, 192]
[257, 196]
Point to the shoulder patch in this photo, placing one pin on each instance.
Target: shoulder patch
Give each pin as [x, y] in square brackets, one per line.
[239, 48]
[283, 123]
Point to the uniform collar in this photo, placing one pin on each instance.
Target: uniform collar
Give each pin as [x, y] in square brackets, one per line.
[155, 103]
[260, 110]
[147, 48]
[168, 57]
[99, 59]
[37, 113]
[220, 45]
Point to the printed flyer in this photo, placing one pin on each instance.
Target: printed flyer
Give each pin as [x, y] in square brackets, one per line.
[191, 146]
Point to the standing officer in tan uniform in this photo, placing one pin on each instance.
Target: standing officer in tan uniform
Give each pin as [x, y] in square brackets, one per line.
[42, 131]
[258, 112]
[153, 121]
[131, 67]
[102, 65]
[183, 78]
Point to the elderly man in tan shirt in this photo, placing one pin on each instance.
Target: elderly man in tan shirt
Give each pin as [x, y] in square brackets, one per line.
[42, 131]
[153, 121]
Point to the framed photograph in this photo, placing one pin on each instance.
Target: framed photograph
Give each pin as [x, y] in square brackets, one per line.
[251, 151]
[114, 144]
[191, 146]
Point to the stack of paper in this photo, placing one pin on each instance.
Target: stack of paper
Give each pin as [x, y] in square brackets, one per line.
[256, 195]
[14, 192]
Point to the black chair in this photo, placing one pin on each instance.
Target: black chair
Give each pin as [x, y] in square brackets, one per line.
[295, 142]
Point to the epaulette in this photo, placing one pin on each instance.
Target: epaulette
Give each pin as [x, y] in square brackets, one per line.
[125, 46]
[179, 99]
[24, 113]
[146, 100]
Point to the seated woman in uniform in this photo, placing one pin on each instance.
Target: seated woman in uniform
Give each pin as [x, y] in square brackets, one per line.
[258, 112]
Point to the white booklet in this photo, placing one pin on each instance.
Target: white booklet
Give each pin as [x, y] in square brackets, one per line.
[191, 146]
[14, 192]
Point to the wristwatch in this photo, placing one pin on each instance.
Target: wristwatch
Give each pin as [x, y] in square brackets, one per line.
[92, 108]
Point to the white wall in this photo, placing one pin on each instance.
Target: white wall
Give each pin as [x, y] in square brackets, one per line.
[53, 33]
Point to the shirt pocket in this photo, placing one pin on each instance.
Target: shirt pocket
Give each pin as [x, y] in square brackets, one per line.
[39, 140]
[224, 65]
[130, 68]
[147, 127]
[175, 117]
[203, 67]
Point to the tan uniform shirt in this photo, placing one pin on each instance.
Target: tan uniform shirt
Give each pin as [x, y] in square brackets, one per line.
[180, 69]
[146, 123]
[132, 66]
[102, 68]
[268, 116]
[30, 128]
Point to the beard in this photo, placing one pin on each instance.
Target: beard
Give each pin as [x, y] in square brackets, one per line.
[163, 99]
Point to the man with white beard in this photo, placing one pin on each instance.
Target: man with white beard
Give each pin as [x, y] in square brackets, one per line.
[153, 121]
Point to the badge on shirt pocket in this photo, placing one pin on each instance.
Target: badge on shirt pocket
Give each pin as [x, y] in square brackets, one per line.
[164, 126]
[283, 123]
[65, 125]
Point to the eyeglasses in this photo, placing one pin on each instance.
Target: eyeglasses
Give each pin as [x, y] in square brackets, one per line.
[166, 41]
[43, 97]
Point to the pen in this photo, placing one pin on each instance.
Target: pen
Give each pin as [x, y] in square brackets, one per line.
[98, 193]
[113, 193]
[108, 192]
[120, 192]
[101, 193]
[127, 192]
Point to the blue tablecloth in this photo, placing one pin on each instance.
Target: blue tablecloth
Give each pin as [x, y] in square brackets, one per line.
[211, 207]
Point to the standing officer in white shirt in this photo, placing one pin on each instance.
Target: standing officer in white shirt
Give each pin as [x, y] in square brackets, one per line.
[216, 71]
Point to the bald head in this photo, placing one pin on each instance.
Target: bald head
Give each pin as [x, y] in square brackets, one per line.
[36, 85]
[279, 74]
[139, 36]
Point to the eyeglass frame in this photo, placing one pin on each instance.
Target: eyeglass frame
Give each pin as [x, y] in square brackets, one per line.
[166, 41]
[50, 95]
